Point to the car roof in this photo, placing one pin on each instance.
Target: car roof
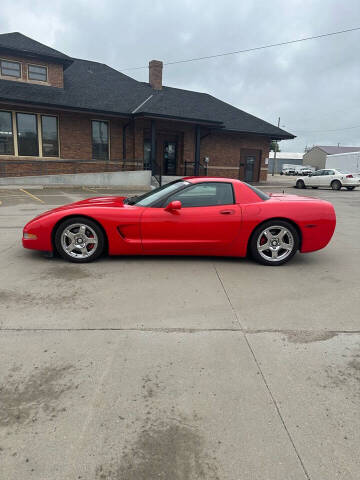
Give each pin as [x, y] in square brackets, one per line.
[211, 179]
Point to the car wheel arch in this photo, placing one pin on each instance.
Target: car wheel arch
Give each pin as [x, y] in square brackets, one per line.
[74, 215]
[284, 219]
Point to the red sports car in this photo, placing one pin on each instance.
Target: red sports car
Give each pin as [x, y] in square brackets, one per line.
[191, 216]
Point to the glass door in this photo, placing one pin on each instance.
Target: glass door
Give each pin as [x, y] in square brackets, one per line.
[169, 158]
[249, 168]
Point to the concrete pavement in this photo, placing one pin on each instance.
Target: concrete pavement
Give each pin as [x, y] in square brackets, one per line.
[181, 368]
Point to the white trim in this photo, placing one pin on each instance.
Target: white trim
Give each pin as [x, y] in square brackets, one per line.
[141, 104]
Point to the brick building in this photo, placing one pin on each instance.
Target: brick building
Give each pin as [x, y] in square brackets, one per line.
[63, 115]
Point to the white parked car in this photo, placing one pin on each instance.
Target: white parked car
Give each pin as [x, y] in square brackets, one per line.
[288, 171]
[329, 178]
[304, 171]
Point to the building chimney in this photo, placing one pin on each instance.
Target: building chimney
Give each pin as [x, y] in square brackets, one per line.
[155, 74]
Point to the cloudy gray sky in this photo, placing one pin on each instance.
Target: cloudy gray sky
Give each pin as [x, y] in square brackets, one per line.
[313, 86]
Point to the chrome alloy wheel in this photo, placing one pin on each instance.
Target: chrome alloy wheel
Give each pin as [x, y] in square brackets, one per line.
[79, 240]
[275, 243]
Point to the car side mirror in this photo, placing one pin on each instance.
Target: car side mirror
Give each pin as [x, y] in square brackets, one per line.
[175, 205]
[310, 174]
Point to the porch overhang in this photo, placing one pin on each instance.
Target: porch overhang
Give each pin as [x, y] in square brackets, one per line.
[193, 121]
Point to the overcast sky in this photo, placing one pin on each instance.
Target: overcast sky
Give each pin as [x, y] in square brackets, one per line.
[313, 86]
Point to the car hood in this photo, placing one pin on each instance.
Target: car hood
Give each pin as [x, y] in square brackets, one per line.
[89, 202]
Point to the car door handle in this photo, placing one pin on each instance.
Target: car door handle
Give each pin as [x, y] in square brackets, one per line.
[227, 212]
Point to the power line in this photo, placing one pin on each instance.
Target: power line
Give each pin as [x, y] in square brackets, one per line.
[330, 130]
[252, 49]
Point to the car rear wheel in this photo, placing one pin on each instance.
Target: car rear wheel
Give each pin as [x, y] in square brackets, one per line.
[274, 242]
[300, 184]
[79, 240]
[336, 185]
[350, 188]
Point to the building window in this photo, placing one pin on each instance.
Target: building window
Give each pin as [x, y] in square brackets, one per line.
[36, 72]
[6, 134]
[27, 134]
[10, 69]
[49, 136]
[100, 140]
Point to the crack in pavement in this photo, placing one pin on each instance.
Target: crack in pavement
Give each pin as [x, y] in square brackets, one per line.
[246, 331]
[273, 399]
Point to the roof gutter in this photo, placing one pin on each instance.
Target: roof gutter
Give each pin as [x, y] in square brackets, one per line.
[64, 108]
[67, 61]
[290, 136]
[201, 121]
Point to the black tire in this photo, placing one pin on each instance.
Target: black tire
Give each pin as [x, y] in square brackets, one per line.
[336, 185]
[92, 233]
[350, 188]
[258, 235]
[300, 184]
[314, 188]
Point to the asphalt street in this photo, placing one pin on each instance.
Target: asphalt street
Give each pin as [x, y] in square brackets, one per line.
[169, 368]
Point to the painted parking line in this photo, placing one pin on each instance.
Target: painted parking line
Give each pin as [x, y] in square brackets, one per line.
[88, 189]
[31, 195]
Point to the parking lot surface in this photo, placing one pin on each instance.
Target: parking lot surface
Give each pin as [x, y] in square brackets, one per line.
[135, 368]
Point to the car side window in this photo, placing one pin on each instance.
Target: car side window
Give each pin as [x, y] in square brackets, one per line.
[205, 195]
[318, 173]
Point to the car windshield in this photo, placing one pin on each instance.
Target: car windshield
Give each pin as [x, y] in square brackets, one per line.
[151, 197]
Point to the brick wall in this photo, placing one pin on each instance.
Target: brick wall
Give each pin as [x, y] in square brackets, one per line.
[223, 149]
[225, 152]
[55, 71]
[53, 167]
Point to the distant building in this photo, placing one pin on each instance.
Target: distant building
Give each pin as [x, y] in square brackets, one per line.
[316, 157]
[293, 158]
[348, 162]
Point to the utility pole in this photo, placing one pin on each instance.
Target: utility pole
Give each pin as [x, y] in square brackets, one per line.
[276, 147]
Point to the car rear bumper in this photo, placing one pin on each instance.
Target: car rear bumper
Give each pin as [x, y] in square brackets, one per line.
[351, 182]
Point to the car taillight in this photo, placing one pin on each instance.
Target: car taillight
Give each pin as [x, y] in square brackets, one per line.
[349, 176]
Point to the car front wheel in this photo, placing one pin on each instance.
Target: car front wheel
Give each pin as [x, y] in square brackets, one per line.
[79, 240]
[274, 242]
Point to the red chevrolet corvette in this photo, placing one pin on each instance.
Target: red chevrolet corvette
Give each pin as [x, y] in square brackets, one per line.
[191, 216]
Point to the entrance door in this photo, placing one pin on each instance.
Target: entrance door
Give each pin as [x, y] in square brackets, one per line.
[170, 158]
[250, 162]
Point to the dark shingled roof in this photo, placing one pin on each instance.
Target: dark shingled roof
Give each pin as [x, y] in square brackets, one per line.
[16, 42]
[92, 86]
